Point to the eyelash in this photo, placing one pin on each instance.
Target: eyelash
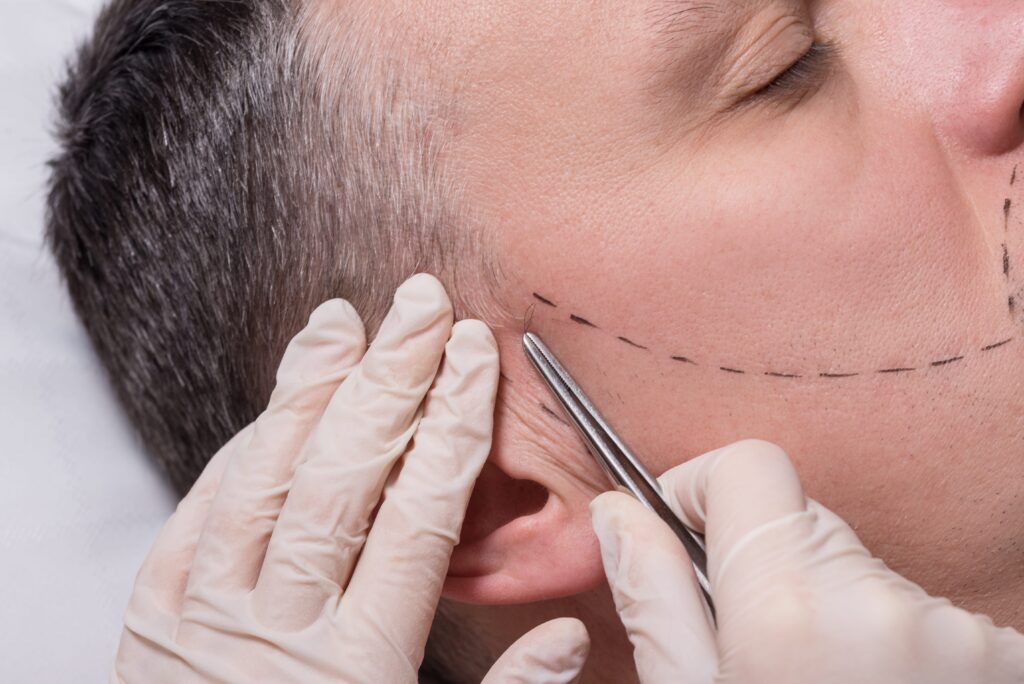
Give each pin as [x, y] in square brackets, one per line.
[803, 75]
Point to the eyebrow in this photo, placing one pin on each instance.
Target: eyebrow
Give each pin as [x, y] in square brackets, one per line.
[673, 20]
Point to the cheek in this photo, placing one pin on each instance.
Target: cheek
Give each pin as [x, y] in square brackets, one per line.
[820, 261]
[686, 307]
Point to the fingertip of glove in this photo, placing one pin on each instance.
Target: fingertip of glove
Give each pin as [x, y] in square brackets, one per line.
[425, 290]
[568, 642]
[336, 313]
[470, 336]
[608, 507]
[574, 635]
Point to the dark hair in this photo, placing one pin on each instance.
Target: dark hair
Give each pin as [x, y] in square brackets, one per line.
[213, 187]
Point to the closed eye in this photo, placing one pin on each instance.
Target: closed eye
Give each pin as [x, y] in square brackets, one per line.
[802, 76]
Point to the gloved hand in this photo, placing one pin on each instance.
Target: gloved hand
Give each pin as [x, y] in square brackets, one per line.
[799, 599]
[274, 568]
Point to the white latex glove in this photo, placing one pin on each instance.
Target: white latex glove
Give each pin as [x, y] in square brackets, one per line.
[274, 567]
[799, 598]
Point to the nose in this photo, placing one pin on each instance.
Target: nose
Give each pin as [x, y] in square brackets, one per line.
[980, 55]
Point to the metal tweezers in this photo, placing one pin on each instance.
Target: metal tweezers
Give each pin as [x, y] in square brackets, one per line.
[616, 459]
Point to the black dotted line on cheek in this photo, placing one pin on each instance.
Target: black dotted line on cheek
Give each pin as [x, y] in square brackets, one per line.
[1008, 211]
[545, 301]
[633, 344]
[900, 370]
[997, 345]
[582, 321]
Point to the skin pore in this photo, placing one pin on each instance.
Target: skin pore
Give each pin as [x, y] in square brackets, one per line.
[720, 247]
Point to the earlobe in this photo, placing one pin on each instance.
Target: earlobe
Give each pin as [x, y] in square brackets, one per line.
[522, 542]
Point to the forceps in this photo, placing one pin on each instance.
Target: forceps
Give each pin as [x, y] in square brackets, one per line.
[616, 459]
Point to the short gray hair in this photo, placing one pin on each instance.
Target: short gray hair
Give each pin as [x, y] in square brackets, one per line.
[227, 165]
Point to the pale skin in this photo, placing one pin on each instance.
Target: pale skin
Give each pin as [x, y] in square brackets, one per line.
[853, 223]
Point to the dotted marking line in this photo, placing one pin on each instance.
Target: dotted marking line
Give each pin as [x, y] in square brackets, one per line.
[633, 344]
[997, 345]
[545, 301]
[582, 321]
[944, 362]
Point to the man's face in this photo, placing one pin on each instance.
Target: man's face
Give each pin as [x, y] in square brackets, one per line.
[721, 249]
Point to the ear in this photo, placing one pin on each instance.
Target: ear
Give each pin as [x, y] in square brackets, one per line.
[527, 535]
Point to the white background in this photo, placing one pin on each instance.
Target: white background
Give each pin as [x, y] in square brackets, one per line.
[79, 502]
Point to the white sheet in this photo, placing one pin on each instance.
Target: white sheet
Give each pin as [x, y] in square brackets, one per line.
[79, 502]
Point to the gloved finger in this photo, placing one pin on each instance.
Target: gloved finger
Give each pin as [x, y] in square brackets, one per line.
[656, 592]
[255, 482]
[728, 493]
[350, 453]
[398, 577]
[552, 653]
[161, 580]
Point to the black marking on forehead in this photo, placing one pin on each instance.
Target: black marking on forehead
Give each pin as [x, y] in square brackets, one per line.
[946, 362]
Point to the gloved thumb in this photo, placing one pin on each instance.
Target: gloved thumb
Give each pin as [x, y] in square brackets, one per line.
[552, 653]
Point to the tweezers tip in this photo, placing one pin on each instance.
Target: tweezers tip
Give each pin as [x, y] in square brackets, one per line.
[531, 342]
